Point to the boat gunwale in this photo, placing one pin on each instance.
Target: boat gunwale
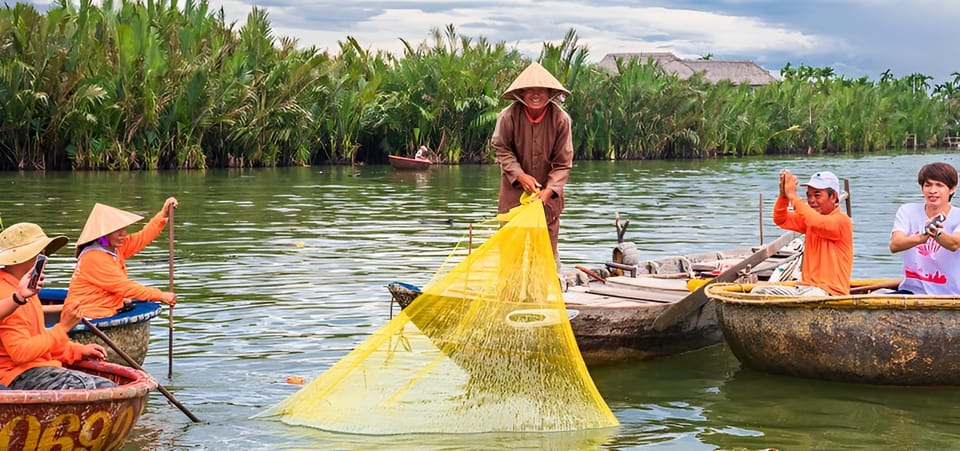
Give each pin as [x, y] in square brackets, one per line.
[136, 385]
[739, 294]
[399, 162]
[142, 311]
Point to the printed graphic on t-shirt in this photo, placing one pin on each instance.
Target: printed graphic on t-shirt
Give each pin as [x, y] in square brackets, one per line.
[936, 277]
[927, 250]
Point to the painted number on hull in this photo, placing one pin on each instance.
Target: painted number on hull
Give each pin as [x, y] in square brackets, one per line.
[66, 432]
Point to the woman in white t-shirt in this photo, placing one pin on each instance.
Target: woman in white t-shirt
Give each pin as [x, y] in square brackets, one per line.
[931, 263]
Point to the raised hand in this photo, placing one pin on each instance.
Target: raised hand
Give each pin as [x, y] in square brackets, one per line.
[23, 289]
[788, 184]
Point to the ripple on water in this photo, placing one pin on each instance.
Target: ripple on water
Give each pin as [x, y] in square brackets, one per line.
[283, 272]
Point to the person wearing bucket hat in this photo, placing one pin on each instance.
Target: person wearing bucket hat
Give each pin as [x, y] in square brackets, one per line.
[928, 234]
[100, 282]
[534, 145]
[13, 254]
[32, 356]
[828, 243]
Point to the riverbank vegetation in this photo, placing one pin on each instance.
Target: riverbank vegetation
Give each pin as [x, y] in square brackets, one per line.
[153, 85]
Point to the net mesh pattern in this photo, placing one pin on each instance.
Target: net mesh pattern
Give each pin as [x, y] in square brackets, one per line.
[487, 347]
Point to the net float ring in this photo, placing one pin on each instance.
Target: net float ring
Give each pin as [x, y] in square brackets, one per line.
[529, 318]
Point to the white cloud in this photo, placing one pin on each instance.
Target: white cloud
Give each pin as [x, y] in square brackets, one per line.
[864, 36]
[602, 28]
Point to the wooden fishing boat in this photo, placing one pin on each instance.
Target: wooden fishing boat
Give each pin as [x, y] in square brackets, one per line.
[98, 419]
[129, 330]
[865, 338]
[405, 163]
[613, 320]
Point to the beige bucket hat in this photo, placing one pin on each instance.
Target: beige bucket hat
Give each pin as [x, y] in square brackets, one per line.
[22, 241]
[534, 76]
[103, 220]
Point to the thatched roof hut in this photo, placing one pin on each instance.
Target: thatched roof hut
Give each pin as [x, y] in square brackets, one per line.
[737, 72]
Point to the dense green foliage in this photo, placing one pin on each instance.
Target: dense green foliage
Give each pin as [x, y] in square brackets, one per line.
[148, 85]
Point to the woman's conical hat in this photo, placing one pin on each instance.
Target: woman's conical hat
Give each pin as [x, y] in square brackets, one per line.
[103, 220]
[534, 76]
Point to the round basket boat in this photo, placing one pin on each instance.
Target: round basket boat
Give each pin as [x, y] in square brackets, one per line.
[97, 419]
[403, 293]
[877, 339]
[129, 330]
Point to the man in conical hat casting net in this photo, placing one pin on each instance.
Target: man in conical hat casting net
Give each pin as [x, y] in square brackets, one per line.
[534, 145]
[100, 283]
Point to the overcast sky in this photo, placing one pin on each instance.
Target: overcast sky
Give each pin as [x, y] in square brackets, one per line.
[854, 37]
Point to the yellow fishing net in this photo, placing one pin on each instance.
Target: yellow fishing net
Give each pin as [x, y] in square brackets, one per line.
[487, 347]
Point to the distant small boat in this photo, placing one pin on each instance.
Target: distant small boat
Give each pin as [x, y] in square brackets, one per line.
[130, 330]
[405, 163]
[76, 419]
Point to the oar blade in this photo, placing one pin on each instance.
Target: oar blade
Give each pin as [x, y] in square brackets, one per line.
[693, 301]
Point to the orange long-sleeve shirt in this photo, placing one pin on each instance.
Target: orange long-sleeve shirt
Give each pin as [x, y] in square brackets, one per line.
[828, 246]
[25, 342]
[100, 283]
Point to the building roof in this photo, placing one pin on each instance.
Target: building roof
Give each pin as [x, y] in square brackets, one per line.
[737, 72]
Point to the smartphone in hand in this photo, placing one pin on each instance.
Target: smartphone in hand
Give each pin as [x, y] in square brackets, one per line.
[37, 270]
[935, 222]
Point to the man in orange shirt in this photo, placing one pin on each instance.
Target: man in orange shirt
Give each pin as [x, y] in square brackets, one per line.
[100, 282]
[32, 356]
[9, 305]
[828, 249]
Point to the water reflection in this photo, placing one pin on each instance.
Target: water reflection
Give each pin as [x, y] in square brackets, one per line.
[665, 401]
[793, 413]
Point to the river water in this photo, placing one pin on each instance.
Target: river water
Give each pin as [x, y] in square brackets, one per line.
[281, 272]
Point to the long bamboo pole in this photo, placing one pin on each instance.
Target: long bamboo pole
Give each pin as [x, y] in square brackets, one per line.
[760, 203]
[170, 311]
[846, 188]
[134, 364]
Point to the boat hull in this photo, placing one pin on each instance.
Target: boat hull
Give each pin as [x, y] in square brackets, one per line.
[405, 163]
[607, 335]
[611, 334]
[97, 419]
[130, 331]
[613, 321]
[886, 339]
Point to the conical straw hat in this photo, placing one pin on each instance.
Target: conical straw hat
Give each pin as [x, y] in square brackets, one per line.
[534, 76]
[23, 241]
[103, 220]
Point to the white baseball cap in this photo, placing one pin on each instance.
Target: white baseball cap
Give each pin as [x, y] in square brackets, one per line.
[824, 180]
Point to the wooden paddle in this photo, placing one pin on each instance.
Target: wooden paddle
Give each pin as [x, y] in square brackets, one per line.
[677, 312]
[134, 364]
[590, 273]
[170, 312]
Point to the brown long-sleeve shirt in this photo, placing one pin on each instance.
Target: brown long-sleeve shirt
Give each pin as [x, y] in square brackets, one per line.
[543, 150]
